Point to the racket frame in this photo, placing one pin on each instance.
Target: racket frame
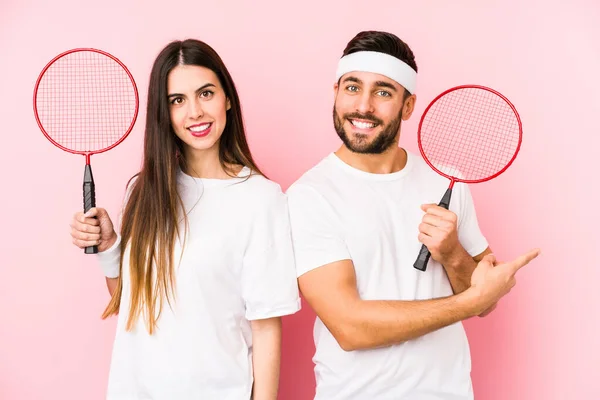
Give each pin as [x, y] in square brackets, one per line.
[455, 179]
[87, 154]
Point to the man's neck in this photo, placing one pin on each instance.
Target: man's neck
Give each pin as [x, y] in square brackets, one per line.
[392, 160]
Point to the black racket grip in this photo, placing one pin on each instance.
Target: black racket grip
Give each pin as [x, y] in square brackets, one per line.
[424, 254]
[422, 259]
[89, 199]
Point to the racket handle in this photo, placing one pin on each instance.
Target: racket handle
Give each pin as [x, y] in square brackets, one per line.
[445, 202]
[89, 199]
[424, 254]
[422, 259]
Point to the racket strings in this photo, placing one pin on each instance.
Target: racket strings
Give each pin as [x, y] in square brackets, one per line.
[470, 133]
[86, 101]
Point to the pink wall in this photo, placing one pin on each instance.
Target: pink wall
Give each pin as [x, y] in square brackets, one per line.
[542, 342]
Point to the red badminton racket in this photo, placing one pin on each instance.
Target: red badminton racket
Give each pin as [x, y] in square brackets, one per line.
[85, 102]
[468, 134]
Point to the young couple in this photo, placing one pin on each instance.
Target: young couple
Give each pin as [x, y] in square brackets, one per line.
[210, 254]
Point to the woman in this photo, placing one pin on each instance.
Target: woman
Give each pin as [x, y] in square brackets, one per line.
[203, 268]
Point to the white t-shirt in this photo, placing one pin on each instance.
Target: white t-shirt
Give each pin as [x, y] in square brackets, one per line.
[338, 212]
[237, 266]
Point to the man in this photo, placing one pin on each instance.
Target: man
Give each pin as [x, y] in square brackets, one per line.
[386, 330]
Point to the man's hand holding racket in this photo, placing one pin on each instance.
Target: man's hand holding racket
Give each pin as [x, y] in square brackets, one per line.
[438, 231]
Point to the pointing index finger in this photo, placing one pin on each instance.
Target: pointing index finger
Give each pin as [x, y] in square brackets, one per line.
[524, 259]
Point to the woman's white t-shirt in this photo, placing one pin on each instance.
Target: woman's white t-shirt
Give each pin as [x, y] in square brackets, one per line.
[237, 265]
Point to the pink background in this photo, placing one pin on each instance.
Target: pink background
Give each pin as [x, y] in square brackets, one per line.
[542, 342]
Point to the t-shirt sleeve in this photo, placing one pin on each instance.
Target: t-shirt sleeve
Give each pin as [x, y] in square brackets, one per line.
[469, 234]
[269, 284]
[316, 230]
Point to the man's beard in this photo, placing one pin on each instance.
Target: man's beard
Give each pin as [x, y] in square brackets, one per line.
[359, 143]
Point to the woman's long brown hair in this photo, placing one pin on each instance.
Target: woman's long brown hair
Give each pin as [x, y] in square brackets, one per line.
[150, 223]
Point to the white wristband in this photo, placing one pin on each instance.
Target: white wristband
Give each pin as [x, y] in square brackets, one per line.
[110, 259]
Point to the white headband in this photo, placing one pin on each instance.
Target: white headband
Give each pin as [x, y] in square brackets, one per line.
[379, 63]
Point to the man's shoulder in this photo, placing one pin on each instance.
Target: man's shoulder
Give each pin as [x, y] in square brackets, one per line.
[316, 179]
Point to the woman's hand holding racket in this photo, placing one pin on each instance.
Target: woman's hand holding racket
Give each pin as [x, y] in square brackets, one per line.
[94, 228]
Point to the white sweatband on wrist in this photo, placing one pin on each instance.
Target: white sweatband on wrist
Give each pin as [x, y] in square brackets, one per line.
[379, 63]
[110, 259]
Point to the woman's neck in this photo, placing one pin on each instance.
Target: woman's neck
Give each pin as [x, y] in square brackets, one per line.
[206, 164]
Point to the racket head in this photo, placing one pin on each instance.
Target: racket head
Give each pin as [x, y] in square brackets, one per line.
[85, 101]
[470, 134]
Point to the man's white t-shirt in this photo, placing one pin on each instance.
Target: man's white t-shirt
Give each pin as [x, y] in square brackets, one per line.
[338, 212]
[237, 266]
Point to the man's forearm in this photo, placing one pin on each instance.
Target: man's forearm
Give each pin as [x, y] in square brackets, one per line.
[460, 267]
[378, 323]
[459, 271]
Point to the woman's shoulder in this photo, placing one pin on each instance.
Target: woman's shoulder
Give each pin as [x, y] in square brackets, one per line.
[260, 190]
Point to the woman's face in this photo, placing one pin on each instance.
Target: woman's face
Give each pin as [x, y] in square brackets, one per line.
[197, 106]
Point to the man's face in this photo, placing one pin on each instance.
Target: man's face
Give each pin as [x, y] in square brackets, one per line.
[368, 111]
